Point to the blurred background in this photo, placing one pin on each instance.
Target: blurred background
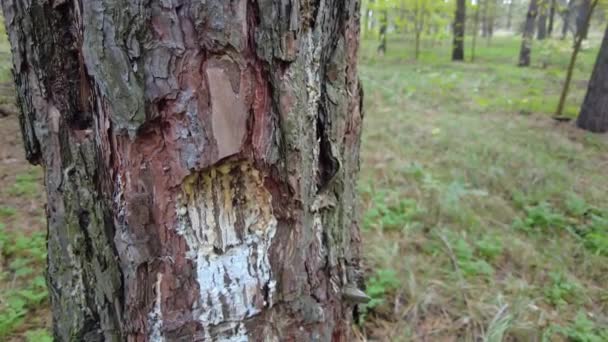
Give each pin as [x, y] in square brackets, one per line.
[484, 213]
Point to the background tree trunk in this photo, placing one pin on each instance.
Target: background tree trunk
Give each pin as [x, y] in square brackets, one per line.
[459, 29]
[510, 14]
[541, 33]
[200, 163]
[594, 111]
[475, 32]
[528, 35]
[485, 18]
[551, 18]
[383, 32]
[566, 16]
[583, 9]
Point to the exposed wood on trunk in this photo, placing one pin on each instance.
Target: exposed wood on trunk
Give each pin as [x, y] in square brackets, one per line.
[200, 163]
[528, 35]
[594, 111]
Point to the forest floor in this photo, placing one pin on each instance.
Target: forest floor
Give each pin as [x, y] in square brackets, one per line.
[485, 218]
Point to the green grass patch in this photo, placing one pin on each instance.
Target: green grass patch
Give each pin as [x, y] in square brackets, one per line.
[22, 281]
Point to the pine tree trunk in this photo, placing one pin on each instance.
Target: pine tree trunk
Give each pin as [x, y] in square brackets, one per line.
[200, 163]
[528, 35]
[594, 111]
[459, 29]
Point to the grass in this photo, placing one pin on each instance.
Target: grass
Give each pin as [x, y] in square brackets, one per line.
[484, 218]
[23, 284]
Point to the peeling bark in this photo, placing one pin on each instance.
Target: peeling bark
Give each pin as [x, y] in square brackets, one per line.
[200, 162]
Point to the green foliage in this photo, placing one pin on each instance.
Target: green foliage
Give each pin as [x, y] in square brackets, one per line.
[561, 291]
[6, 211]
[468, 262]
[393, 215]
[27, 184]
[38, 335]
[24, 255]
[581, 330]
[541, 216]
[383, 282]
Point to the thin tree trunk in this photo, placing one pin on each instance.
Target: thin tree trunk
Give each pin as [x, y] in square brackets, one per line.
[365, 23]
[528, 35]
[417, 47]
[200, 164]
[551, 18]
[491, 19]
[484, 19]
[541, 33]
[475, 32]
[459, 29]
[566, 18]
[383, 28]
[577, 47]
[594, 111]
[510, 14]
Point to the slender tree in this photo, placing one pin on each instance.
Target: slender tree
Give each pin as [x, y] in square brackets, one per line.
[510, 13]
[566, 17]
[594, 111]
[551, 17]
[383, 32]
[459, 29]
[541, 32]
[200, 163]
[475, 31]
[485, 19]
[578, 40]
[528, 34]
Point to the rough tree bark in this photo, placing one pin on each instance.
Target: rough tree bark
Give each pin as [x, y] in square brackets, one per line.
[200, 163]
[528, 35]
[594, 111]
[459, 29]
